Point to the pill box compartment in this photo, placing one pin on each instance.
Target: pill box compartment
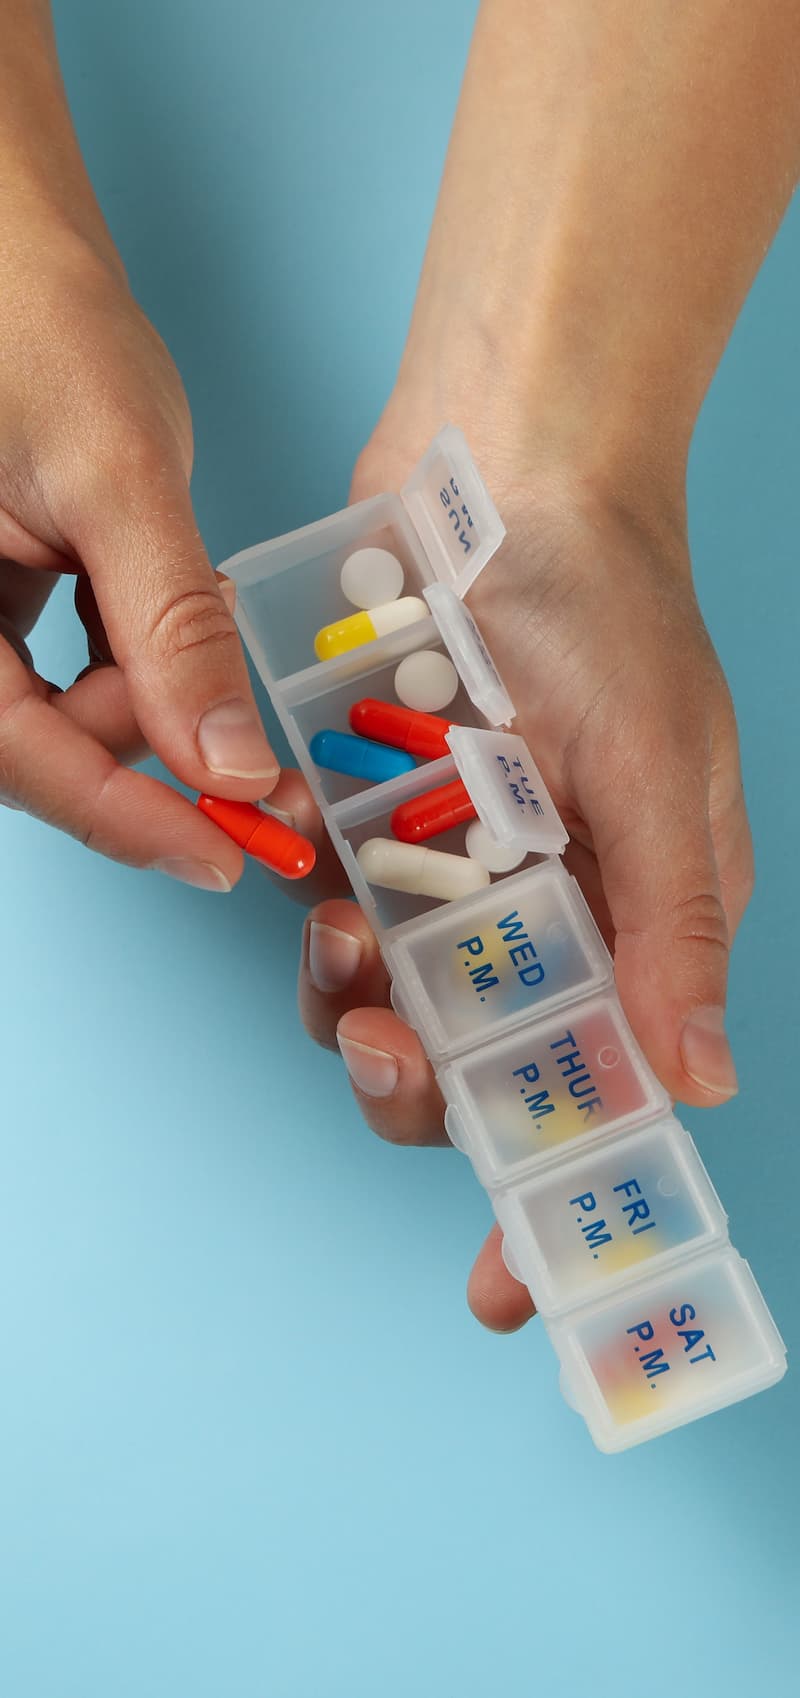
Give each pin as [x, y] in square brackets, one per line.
[591, 1224]
[671, 1349]
[484, 965]
[369, 815]
[524, 1101]
[289, 588]
[321, 701]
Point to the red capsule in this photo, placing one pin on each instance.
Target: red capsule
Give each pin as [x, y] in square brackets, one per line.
[420, 734]
[267, 839]
[437, 811]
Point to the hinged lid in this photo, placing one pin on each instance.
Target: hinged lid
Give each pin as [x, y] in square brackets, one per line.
[469, 653]
[452, 511]
[508, 790]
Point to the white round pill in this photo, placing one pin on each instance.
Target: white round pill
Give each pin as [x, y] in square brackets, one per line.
[483, 848]
[426, 681]
[370, 577]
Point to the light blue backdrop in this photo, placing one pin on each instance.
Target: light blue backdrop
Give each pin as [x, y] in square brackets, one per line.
[252, 1445]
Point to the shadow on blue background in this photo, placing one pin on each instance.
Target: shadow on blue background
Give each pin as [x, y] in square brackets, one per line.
[252, 1443]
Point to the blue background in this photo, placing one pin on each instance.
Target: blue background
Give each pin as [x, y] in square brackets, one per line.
[251, 1441]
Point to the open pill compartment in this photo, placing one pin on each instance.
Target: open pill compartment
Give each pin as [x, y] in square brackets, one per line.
[577, 1231]
[368, 816]
[288, 589]
[317, 705]
[654, 1318]
[668, 1350]
[523, 1101]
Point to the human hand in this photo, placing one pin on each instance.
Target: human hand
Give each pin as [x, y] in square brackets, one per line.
[590, 613]
[95, 457]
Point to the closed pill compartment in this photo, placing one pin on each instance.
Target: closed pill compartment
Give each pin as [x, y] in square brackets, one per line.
[523, 1100]
[669, 1350]
[528, 943]
[582, 1229]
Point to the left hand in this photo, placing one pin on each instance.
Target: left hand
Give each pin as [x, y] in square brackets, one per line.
[592, 619]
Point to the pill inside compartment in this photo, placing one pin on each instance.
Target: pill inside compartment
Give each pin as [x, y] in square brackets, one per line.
[321, 701]
[290, 589]
[368, 816]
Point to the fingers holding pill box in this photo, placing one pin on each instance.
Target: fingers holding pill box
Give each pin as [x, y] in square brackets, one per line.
[592, 620]
[471, 994]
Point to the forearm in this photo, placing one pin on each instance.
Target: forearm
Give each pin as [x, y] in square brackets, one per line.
[615, 175]
[43, 181]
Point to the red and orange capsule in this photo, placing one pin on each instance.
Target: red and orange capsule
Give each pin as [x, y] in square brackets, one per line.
[437, 811]
[421, 734]
[267, 839]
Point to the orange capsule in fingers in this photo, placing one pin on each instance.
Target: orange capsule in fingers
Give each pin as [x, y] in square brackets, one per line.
[267, 839]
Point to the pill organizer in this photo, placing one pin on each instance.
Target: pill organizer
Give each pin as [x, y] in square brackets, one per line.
[606, 1211]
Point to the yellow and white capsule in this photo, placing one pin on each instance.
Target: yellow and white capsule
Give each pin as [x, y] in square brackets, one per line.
[361, 628]
[422, 872]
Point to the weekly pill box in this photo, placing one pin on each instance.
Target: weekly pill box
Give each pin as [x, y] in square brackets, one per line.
[606, 1210]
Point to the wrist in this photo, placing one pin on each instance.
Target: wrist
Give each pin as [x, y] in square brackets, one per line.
[536, 396]
[46, 197]
[49, 227]
[542, 444]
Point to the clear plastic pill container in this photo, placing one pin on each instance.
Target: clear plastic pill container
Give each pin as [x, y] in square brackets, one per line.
[607, 1213]
[669, 1350]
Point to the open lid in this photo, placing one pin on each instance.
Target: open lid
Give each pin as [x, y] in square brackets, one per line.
[510, 795]
[452, 511]
[469, 653]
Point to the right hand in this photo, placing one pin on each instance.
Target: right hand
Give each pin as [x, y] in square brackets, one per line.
[95, 458]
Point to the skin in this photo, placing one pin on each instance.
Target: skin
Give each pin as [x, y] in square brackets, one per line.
[614, 178]
[95, 457]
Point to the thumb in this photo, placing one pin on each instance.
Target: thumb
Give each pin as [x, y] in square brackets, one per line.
[171, 632]
[661, 882]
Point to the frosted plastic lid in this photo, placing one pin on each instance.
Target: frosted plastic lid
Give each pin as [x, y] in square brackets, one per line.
[508, 790]
[452, 511]
[469, 653]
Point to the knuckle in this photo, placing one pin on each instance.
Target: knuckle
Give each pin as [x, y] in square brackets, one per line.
[700, 918]
[13, 710]
[92, 831]
[192, 619]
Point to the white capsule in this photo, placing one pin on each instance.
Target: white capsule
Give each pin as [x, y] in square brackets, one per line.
[371, 576]
[392, 615]
[426, 681]
[495, 857]
[421, 872]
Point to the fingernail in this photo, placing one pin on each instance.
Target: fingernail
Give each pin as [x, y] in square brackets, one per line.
[232, 742]
[706, 1053]
[333, 957]
[227, 590]
[371, 1070]
[202, 874]
[278, 814]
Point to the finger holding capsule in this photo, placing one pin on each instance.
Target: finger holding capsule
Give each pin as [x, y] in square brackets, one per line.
[318, 872]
